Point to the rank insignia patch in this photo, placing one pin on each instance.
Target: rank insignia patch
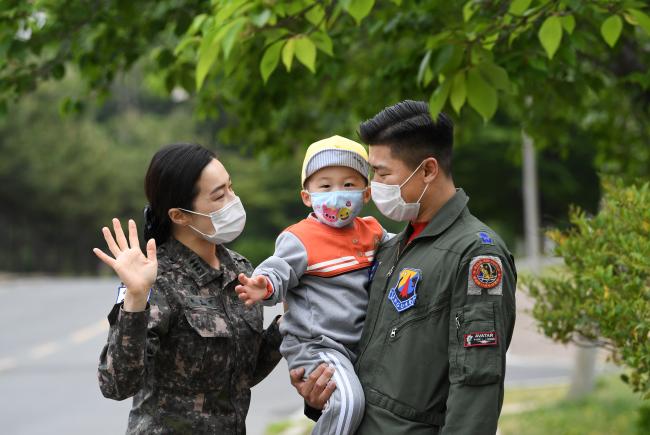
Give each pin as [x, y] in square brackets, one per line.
[403, 295]
[373, 269]
[485, 272]
[485, 238]
[476, 339]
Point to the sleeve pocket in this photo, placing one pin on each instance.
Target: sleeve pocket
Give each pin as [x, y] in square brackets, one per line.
[478, 344]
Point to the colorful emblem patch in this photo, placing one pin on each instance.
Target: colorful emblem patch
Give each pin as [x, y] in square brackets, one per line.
[476, 339]
[485, 272]
[404, 294]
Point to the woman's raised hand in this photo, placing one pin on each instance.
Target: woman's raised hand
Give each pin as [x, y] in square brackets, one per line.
[137, 271]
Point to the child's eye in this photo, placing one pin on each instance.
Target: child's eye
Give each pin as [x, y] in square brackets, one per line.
[325, 186]
[348, 185]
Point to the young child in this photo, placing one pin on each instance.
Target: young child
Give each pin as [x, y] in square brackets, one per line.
[321, 269]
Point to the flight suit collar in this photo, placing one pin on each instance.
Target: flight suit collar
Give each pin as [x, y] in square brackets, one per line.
[200, 271]
[447, 215]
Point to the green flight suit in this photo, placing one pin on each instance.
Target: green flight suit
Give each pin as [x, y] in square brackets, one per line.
[440, 319]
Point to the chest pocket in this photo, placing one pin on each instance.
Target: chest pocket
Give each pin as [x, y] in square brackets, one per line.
[196, 356]
[206, 318]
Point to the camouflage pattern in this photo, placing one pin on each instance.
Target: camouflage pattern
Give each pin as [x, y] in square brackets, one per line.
[192, 356]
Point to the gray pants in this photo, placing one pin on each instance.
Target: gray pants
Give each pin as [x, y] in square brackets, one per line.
[344, 410]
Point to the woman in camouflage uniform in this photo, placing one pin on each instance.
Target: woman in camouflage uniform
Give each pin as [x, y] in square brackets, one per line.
[190, 354]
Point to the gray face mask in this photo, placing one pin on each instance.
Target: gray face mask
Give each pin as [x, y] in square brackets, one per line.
[228, 222]
[389, 201]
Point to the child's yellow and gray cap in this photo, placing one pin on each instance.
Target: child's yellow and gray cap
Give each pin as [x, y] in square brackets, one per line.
[335, 151]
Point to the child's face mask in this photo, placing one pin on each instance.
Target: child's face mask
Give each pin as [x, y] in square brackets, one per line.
[337, 209]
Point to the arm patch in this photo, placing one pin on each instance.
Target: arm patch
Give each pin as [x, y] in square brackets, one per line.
[485, 272]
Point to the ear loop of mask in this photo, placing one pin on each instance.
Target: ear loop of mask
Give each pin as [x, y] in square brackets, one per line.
[411, 176]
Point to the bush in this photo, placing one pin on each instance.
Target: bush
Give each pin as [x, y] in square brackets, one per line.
[602, 293]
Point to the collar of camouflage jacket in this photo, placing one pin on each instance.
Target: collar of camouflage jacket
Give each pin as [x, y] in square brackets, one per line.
[200, 271]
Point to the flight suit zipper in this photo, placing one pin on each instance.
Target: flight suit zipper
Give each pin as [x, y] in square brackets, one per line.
[396, 259]
[459, 321]
[399, 327]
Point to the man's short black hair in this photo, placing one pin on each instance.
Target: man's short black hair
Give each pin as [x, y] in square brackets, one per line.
[412, 135]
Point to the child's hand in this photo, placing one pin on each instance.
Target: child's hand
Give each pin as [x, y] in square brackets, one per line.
[252, 289]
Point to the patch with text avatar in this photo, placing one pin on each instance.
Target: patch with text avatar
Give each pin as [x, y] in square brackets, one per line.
[476, 339]
[404, 294]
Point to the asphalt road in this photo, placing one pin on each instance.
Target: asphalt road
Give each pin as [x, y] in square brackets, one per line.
[51, 334]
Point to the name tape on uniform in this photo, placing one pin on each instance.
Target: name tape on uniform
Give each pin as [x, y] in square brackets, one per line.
[477, 339]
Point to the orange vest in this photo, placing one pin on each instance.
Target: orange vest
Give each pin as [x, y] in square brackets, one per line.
[333, 251]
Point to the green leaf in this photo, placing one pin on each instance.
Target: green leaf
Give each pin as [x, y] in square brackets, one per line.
[196, 24]
[208, 52]
[490, 40]
[428, 77]
[424, 65]
[359, 9]
[270, 60]
[262, 18]
[458, 91]
[550, 35]
[315, 15]
[230, 32]
[518, 7]
[306, 52]
[641, 18]
[496, 76]
[569, 23]
[611, 29]
[287, 53]
[323, 42]
[438, 98]
[468, 10]
[481, 95]
[185, 42]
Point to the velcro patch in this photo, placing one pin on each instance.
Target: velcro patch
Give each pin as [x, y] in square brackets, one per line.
[485, 272]
[121, 292]
[476, 339]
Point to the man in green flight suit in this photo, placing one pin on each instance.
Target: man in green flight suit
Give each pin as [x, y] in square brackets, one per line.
[442, 299]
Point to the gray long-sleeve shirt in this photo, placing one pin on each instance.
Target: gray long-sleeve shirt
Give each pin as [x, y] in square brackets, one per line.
[325, 298]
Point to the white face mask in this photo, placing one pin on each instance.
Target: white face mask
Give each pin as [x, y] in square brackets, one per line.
[228, 222]
[389, 201]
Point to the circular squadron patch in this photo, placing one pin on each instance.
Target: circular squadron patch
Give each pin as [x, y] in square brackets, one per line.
[486, 273]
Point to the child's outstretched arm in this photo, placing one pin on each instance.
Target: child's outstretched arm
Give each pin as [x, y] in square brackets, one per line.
[281, 271]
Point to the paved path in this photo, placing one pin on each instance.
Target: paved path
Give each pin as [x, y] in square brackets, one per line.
[52, 330]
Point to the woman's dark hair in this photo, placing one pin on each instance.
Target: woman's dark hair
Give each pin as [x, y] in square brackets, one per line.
[411, 134]
[171, 182]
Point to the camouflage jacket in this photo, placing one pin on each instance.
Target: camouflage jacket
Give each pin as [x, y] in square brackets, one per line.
[192, 356]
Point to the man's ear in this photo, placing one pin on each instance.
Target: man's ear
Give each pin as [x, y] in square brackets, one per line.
[431, 169]
[179, 217]
[306, 198]
[367, 195]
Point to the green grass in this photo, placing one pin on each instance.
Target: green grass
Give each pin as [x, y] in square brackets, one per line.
[612, 409]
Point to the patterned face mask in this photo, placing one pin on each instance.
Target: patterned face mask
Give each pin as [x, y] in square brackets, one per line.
[337, 209]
